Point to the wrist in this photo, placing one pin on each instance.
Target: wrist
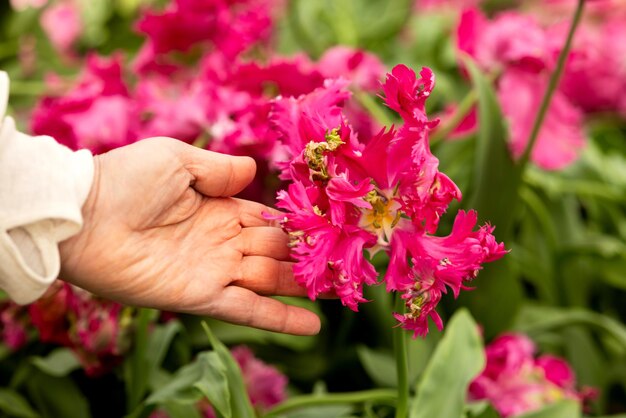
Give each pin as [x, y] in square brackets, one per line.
[72, 249]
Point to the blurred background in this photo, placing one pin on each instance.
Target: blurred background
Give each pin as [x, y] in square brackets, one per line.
[562, 215]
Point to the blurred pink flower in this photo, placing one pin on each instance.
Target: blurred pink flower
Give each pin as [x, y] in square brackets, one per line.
[518, 47]
[90, 326]
[557, 371]
[363, 69]
[551, 11]
[62, 24]
[49, 314]
[240, 95]
[265, 384]
[444, 5]
[229, 27]
[171, 107]
[595, 74]
[13, 324]
[280, 76]
[467, 126]
[561, 137]
[511, 38]
[97, 335]
[515, 382]
[97, 113]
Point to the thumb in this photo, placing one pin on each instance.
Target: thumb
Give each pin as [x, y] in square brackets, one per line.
[215, 174]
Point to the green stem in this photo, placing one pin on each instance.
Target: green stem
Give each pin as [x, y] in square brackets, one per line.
[373, 107]
[402, 366]
[552, 85]
[455, 120]
[387, 396]
[463, 109]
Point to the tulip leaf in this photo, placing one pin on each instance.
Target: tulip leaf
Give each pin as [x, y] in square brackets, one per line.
[496, 176]
[240, 403]
[158, 343]
[59, 362]
[14, 405]
[181, 410]
[136, 366]
[536, 320]
[56, 396]
[380, 366]
[495, 196]
[458, 358]
[213, 383]
[179, 386]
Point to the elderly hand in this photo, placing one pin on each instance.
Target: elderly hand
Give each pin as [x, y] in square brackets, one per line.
[161, 230]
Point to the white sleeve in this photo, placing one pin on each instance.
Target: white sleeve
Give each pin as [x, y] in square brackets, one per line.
[43, 186]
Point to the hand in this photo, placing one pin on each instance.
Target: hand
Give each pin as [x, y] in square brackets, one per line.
[161, 231]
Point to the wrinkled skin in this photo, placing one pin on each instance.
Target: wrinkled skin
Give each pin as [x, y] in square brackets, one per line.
[161, 230]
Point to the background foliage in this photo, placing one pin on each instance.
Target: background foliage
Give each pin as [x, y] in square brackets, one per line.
[563, 283]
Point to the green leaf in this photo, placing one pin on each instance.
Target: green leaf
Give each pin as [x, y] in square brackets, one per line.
[496, 180]
[56, 397]
[159, 342]
[481, 409]
[206, 376]
[240, 403]
[534, 320]
[458, 358]
[323, 411]
[497, 290]
[14, 405]
[59, 362]
[213, 383]
[137, 364]
[585, 356]
[496, 177]
[564, 409]
[179, 386]
[379, 365]
[181, 410]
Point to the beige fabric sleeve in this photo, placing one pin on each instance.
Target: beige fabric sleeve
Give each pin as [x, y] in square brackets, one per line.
[43, 186]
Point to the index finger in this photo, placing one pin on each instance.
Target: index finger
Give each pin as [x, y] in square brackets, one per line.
[244, 307]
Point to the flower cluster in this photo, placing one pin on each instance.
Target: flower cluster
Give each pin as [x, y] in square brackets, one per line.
[521, 48]
[350, 193]
[198, 87]
[96, 330]
[515, 46]
[515, 382]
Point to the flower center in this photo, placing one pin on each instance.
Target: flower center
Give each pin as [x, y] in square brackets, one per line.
[383, 216]
[314, 154]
